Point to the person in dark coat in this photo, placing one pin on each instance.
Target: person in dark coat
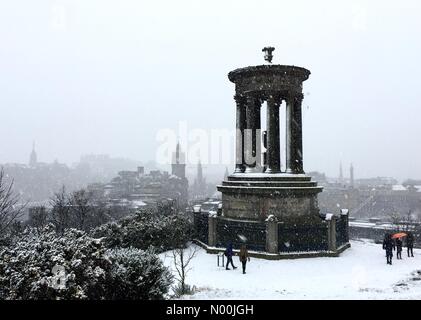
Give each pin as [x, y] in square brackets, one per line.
[399, 248]
[229, 253]
[410, 243]
[389, 246]
[244, 257]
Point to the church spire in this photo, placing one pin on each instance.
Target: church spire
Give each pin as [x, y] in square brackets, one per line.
[341, 175]
[177, 153]
[351, 175]
[33, 157]
[199, 172]
[178, 163]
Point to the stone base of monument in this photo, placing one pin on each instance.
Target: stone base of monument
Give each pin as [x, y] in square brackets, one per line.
[275, 215]
[256, 196]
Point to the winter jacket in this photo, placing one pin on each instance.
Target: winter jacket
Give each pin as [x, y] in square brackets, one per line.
[409, 240]
[399, 245]
[388, 244]
[228, 251]
[244, 254]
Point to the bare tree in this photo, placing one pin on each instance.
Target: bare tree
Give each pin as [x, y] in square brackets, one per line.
[38, 217]
[60, 211]
[10, 209]
[100, 214]
[81, 208]
[395, 219]
[181, 259]
[410, 221]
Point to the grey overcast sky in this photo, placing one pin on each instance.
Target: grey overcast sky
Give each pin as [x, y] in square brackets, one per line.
[98, 76]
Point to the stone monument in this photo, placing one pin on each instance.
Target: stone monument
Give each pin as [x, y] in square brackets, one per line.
[275, 212]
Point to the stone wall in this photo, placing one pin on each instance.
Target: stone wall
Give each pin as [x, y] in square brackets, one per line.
[342, 230]
[239, 232]
[259, 207]
[303, 237]
[292, 235]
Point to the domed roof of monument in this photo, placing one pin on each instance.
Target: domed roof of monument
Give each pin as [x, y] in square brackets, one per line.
[269, 69]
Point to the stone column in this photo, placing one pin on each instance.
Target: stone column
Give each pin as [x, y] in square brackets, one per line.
[212, 221]
[294, 139]
[272, 235]
[299, 134]
[345, 216]
[252, 143]
[240, 125]
[273, 145]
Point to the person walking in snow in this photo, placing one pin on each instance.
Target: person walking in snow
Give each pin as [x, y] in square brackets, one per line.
[410, 243]
[399, 248]
[229, 253]
[244, 256]
[389, 246]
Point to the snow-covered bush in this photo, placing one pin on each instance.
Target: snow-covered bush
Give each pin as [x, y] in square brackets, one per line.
[137, 274]
[46, 265]
[26, 268]
[162, 232]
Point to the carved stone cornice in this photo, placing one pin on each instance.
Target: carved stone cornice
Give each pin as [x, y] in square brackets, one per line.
[267, 70]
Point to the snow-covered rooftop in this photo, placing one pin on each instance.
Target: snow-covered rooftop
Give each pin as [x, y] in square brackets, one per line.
[398, 187]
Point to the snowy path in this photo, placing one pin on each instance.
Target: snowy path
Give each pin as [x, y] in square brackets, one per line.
[360, 272]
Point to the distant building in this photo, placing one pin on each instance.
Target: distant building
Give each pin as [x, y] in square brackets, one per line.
[379, 197]
[387, 182]
[37, 181]
[199, 187]
[179, 163]
[102, 167]
[351, 176]
[33, 157]
[139, 189]
[341, 176]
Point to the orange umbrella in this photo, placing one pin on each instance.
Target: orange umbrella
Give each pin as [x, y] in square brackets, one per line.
[399, 235]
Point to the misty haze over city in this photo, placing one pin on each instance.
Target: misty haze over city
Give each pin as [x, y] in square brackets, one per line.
[94, 77]
[210, 150]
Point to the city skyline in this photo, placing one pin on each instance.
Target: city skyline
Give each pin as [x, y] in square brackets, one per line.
[94, 77]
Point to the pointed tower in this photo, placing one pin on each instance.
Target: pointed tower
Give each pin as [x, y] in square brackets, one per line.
[33, 157]
[200, 182]
[181, 184]
[351, 176]
[199, 173]
[341, 175]
[178, 164]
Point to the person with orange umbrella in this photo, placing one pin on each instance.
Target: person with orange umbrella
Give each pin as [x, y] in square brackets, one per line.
[399, 235]
[398, 240]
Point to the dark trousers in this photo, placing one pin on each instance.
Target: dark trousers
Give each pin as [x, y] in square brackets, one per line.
[399, 254]
[410, 249]
[244, 265]
[229, 260]
[389, 256]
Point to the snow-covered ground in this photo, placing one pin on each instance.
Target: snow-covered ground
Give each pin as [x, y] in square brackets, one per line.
[360, 272]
